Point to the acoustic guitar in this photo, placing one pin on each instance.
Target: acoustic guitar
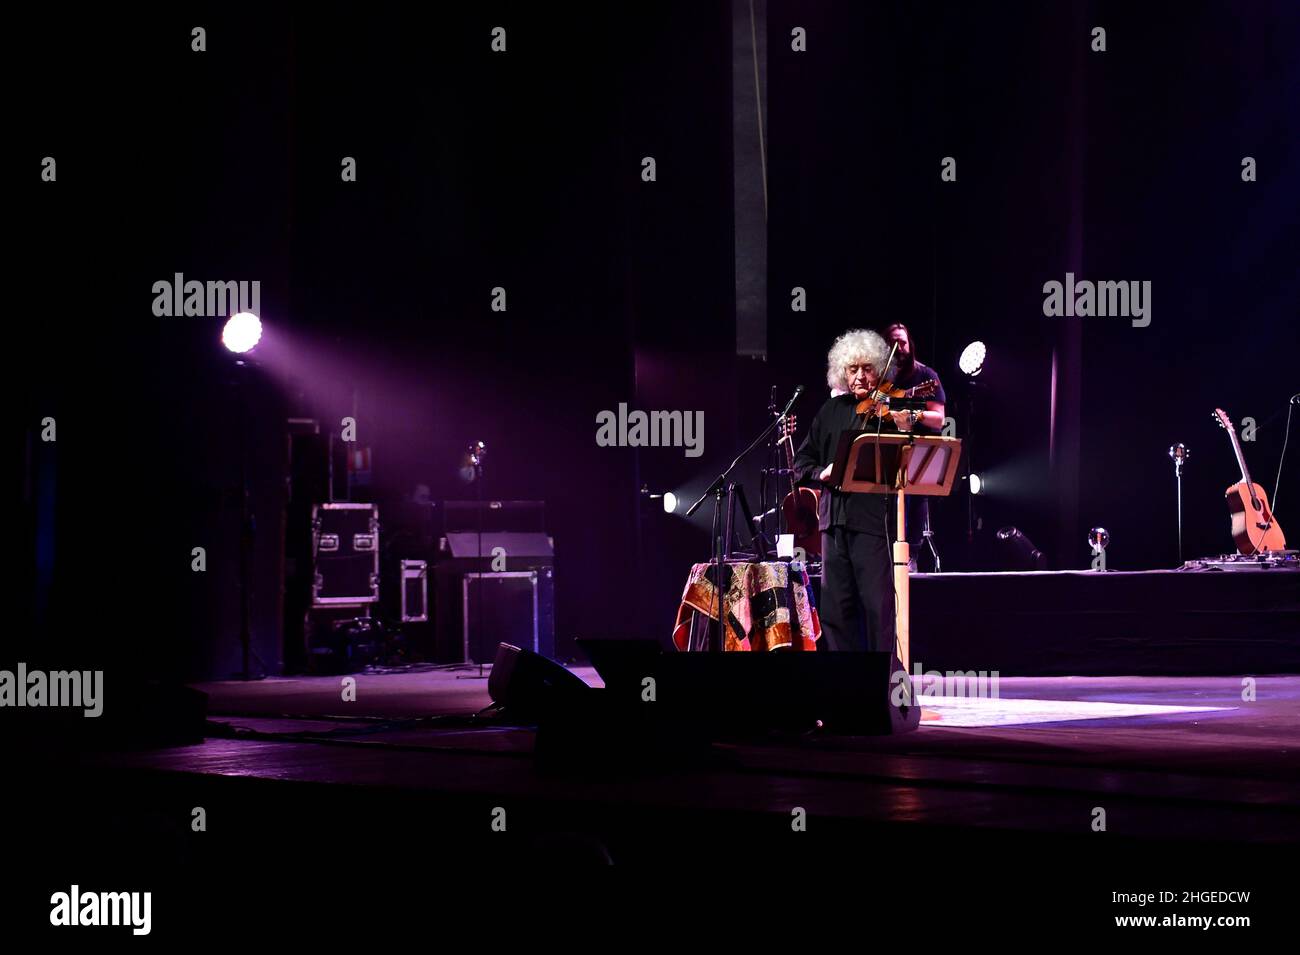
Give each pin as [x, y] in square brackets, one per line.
[1253, 527]
[800, 505]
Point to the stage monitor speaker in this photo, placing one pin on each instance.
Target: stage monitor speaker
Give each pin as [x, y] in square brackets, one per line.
[740, 694]
[525, 684]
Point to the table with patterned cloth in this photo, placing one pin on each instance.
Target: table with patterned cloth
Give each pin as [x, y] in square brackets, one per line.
[767, 606]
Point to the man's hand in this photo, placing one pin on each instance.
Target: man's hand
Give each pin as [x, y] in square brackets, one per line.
[902, 420]
[826, 473]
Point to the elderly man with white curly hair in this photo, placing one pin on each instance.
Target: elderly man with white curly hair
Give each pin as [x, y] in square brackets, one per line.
[857, 605]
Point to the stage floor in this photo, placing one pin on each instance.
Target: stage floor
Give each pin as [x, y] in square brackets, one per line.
[1172, 758]
[989, 801]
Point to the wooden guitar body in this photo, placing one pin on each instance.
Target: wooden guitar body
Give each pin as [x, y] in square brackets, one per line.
[800, 509]
[1253, 528]
[800, 505]
[1247, 512]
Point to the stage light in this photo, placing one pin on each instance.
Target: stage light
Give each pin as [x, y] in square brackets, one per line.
[242, 332]
[1020, 550]
[668, 498]
[972, 359]
[976, 484]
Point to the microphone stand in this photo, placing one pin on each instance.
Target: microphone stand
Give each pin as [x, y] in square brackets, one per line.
[769, 487]
[247, 530]
[1180, 454]
[928, 536]
[766, 472]
[476, 452]
[715, 490]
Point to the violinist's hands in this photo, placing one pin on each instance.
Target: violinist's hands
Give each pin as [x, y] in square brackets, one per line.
[826, 473]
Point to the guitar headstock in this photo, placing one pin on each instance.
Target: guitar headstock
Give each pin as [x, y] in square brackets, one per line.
[1224, 421]
[788, 425]
[925, 388]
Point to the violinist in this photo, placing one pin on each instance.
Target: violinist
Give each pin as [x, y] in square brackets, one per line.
[857, 605]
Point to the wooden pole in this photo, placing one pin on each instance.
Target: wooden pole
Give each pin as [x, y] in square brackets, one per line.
[902, 557]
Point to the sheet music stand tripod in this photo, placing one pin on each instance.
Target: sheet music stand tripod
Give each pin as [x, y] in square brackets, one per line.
[897, 463]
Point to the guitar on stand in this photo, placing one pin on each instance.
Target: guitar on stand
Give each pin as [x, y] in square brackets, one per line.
[1254, 528]
[800, 505]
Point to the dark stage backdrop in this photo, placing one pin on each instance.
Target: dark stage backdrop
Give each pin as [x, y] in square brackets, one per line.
[523, 170]
[474, 170]
[1115, 165]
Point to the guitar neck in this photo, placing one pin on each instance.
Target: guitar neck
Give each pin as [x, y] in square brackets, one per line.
[1241, 458]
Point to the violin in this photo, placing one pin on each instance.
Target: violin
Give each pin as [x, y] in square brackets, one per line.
[877, 404]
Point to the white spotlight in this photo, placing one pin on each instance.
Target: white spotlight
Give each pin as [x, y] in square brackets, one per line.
[242, 332]
[972, 359]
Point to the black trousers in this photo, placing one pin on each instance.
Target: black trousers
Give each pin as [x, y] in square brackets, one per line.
[857, 608]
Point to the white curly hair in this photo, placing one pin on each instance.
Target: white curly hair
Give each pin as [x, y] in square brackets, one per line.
[858, 345]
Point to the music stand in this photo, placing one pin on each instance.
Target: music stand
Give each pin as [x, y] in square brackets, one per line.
[901, 463]
[757, 541]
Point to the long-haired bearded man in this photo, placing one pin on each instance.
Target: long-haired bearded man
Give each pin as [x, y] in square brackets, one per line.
[857, 599]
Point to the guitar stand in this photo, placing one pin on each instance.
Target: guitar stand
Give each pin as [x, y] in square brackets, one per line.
[927, 536]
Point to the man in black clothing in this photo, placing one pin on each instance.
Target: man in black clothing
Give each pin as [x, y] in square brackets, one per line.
[907, 372]
[857, 605]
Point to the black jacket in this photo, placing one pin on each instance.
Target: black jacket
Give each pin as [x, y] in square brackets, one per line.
[858, 512]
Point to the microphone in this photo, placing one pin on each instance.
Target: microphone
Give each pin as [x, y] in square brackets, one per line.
[1179, 453]
[472, 463]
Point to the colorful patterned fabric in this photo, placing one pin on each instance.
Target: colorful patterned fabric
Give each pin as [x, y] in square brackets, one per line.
[757, 599]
